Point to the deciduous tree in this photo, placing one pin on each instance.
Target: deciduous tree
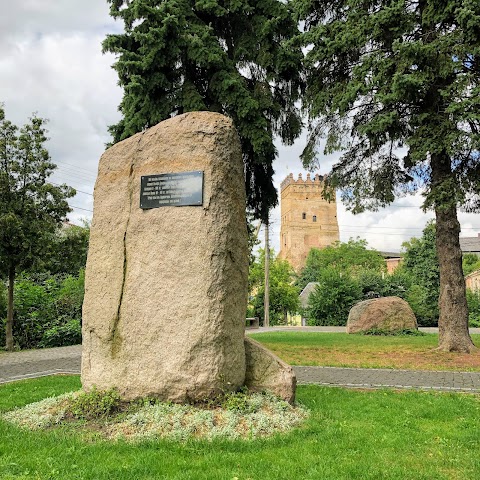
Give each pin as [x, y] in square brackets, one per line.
[333, 297]
[284, 295]
[30, 207]
[226, 56]
[421, 263]
[470, 263]
[395, 85]
[66, 250]
[350, 258]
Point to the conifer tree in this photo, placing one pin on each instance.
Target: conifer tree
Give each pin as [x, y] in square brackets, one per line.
[226, 56]
[30, 208]
[395, 85]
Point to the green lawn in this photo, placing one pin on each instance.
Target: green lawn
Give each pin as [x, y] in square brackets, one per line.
[367, 351]
[351, 434]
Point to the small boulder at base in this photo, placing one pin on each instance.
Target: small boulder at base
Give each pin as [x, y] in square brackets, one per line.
[390, 314]
[266, 372]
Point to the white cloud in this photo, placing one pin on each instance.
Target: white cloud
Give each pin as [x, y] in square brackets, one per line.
[33, 19]
[52, 64]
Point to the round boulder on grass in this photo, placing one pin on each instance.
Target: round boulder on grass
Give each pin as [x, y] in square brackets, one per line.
[388, 314]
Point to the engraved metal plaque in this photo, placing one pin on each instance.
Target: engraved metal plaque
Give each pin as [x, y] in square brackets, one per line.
[171, 190]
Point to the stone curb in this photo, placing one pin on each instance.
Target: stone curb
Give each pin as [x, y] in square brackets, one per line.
[398, 387]
[45, 373]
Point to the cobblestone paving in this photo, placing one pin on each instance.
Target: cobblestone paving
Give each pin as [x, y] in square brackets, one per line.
[381, 378]
[39, 363]
[36, 363]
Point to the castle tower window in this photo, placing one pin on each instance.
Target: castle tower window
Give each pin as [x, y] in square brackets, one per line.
[314, 218]
[304, 216]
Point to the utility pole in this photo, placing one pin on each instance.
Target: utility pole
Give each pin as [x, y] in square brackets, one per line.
[266, 303]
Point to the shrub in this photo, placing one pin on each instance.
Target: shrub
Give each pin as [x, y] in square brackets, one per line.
[3, 300]
[70, 333]
[398, 283]
[70, 296]
[94, 404]
[241, 401]
[283, 293]
[3, 312]
[392, 333]
[47, 310]
[473, 300]
[371, 283]
[330, 302]
[33, 311]
[470, 263]
[419, 298]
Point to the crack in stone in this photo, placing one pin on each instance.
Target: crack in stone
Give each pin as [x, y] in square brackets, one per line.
[115, 338]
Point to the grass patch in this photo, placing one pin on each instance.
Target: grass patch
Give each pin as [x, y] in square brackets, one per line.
[350, 434]
[409, 352]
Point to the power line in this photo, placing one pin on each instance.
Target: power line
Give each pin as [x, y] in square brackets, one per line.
[383, 234]
[76, 189]
[71, 181]
[61, 162]
[80, 208]
[78, 175]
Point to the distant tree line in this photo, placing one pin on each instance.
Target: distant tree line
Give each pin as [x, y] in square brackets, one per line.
[41, 256]
[349, 272]
[48, 297]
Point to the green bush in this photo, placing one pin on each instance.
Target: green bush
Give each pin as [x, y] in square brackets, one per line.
[473, 300]
[398, 283]
[371, 283]
[70, 333]
[393, 333]
[47, 310]
[420, 261]
[3, 312]
[3, 300]
[94, 404]
[283, 293]
[470, 263]
[330, 302]
[419, 298]
[70, 295]
[237, 401]
[33, 310]
[337, 292]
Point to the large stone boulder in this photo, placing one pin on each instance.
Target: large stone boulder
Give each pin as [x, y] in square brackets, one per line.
[389, 314]
[266, 372]
[166, 288]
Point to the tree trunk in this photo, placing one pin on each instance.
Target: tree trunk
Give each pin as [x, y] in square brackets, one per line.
[453, 321]
[9, 326]
[266, 302]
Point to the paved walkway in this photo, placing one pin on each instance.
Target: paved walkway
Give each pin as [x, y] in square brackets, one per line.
[383, 378]
[39, 363]
[326, 329]
[36, 363]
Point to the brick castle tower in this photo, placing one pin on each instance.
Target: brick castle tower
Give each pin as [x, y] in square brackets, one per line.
[308, 220]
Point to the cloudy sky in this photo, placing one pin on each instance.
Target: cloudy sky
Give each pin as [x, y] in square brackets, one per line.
[51, 63]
